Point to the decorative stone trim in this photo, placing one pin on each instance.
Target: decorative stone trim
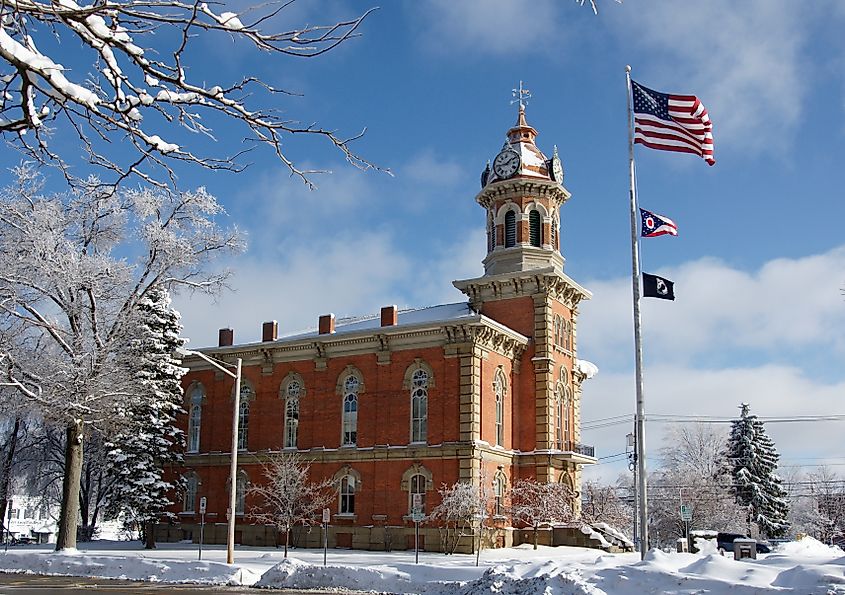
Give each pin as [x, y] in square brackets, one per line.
[418, 364]
[348, 371]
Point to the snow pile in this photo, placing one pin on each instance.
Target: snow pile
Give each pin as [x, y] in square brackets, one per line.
[507, 580]
[295, 574]
[76, 563]
[810, 547]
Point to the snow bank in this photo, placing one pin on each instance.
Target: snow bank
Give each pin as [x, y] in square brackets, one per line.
[295, 574]
[507, 581]
[808, 546]
[76, 563]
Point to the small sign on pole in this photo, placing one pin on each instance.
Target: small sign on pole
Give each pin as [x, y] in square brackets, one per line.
[686, 512]
[326, 518]
[203, 505]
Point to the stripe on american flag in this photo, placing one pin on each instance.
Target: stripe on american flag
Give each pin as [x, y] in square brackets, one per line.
[669, 122]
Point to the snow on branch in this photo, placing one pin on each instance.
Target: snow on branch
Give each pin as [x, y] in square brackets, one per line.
[136, 90]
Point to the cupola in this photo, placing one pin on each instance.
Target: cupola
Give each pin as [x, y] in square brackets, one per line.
[522, 192]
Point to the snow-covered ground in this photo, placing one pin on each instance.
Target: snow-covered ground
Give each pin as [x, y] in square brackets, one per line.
[806, 567]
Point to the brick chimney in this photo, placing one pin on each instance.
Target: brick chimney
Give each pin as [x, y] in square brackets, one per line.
[389, 316]
[326, 324]
[226, 337]
[270, 331]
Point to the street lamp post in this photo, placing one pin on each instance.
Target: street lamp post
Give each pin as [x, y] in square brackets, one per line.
[233, 477]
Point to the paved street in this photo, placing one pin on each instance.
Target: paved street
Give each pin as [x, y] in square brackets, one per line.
[27, 584]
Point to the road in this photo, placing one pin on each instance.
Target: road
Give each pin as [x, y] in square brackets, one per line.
[28, 584]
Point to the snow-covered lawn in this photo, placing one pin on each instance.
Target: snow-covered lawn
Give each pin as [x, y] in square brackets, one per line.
[806, 567]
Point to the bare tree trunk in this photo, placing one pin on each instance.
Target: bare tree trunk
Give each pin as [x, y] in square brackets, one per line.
[6, 481]
[69, 518]
[149, 534]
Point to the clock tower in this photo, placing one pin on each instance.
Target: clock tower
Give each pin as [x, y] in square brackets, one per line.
[525, 289]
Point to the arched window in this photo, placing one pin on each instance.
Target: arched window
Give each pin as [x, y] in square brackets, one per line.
[510, 229]
[535, 228]
[350, 411]
[243, 417]
[566, 342]
[292, 394]
[555, 244]
[499, 389]
[416, 487]
[189, 500]
[347, 495]
[419, 406]
[499, 494]
[195, 418]
[567, 404]
[240, 493]
[557, 329]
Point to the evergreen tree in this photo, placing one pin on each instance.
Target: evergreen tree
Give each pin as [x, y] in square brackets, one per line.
[753, 461]
[150, 442]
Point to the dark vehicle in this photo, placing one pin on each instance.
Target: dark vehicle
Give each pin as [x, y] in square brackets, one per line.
[725, 541]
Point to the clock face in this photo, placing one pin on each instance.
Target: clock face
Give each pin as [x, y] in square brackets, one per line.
[506, 163]
[557, 170]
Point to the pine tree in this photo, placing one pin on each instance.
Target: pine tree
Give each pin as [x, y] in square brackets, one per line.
[753, 461]
[150, 441]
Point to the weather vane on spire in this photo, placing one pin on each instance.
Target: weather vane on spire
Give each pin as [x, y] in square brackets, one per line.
[520, 95]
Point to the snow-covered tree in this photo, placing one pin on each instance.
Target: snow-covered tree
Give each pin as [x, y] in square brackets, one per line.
[817, 504]
[287, 498]
[753, 461]
[119, 74]
[692, 469]
[539, 504]
[150, 441]
[74, 268]
[602, 504]
[463, 507]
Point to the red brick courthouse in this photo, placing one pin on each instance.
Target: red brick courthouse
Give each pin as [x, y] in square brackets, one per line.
[400, 403]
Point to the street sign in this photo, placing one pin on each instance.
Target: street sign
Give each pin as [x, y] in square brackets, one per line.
[686, 512]
[417, 516]
[416, 501]
[326, 515]
[203, 503]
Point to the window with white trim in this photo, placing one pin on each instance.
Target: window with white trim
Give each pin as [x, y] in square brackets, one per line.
[292, 394]
[189, 499]
[195, 418]
[499, 389]
[499, 494]
[346, 505]
[243, 417]
[419, 406]
[240, 493]
[350, 411]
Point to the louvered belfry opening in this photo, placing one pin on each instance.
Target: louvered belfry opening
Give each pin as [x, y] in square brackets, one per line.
[535, 228]
[510, 229]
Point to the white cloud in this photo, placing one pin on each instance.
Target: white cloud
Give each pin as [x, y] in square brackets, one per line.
[788, 305]
[497, 27]
[746, 62]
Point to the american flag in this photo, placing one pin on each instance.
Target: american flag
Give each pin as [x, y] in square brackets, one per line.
[669, 122]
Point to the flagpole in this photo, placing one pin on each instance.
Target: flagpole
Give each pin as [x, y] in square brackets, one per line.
[639, 418]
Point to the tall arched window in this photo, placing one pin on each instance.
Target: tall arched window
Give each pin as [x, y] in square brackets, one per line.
[292, 394]
[499, 389]
[416, 486]
[195, 418]
[567, 335]
[350, 411]
[190, 497]
[499, 494]
[535, 228]
[555, 244]
[567, 404]
[243, 417]
[240, 493]
[419, 406]
[557, 329]
[510, 229]
[347, 495]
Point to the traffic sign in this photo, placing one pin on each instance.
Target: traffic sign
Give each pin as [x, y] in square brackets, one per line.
[326, 515]
[203, 503]
[417, 517]
[686, 512]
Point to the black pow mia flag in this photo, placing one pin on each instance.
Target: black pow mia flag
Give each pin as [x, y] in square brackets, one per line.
[658, 287]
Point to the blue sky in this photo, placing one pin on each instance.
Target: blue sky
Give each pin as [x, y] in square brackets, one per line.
[759, 265]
